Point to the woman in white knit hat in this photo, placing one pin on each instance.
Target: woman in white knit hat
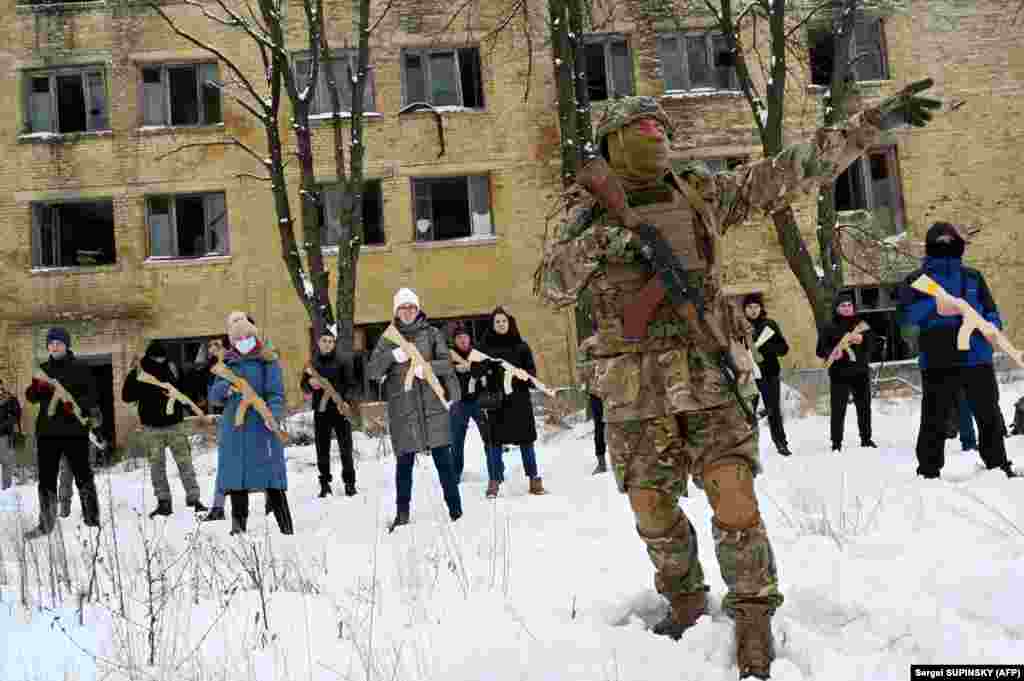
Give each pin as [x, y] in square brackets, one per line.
[418, 417]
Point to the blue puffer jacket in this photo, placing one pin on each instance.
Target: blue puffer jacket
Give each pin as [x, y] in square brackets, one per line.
[938, 333]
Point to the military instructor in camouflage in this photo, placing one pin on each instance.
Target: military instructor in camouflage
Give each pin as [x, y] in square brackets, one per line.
[670, 412]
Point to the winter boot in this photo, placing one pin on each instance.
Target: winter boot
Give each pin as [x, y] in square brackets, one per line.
[401, 518]
[216, 513]
[47, 516]
[90, 504]
[65, 507]
[686, 609]
[239, 512]
[455, 515]
[197, 506]
[783, 449]
[868, 442]
[755, 648]
[602, 466]
[493, 487]
[1008, 469]
[537, 486]
[278, 500]
[163, 507]
[325, 490]
[350, 489]
[837, 446]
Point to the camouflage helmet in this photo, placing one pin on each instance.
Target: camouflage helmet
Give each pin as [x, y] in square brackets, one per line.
[621, 112]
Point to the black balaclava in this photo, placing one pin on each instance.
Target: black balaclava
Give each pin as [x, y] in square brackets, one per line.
[944, 241]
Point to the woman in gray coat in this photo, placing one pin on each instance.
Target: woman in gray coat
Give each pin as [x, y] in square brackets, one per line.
[418, 418]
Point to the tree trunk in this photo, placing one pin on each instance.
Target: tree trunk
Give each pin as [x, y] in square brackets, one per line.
[561, 51]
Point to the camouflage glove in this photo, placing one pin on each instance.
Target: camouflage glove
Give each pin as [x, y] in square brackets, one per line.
[906, 108]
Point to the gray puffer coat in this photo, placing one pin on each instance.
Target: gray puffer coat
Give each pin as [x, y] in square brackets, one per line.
[418, 419]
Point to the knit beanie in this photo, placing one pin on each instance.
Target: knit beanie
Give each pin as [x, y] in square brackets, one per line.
[406, 296]
[59, 333]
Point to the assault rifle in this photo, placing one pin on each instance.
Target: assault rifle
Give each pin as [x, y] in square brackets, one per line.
[845, 344]
[250, 398]
[670, 275]
[62, 394]
[972, 322]
[330, 394]
[174, 395]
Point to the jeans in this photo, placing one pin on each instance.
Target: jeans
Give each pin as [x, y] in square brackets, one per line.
[442, 456]
[462, 411]
[496, 464]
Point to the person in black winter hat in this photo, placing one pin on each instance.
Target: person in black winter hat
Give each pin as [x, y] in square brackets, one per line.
[162, 430]
[947, 371]
[60, 431]
[849, 373]
[769, 345]
[471, 380]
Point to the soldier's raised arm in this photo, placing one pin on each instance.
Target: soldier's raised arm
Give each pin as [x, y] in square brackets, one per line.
[773, 183]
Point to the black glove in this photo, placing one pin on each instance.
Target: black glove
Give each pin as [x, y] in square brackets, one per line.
[906, 108]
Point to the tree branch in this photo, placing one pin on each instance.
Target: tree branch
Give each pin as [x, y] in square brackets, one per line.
[383, 14]
[231, 142]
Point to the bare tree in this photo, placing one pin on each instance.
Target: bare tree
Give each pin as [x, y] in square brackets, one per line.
[264, 28]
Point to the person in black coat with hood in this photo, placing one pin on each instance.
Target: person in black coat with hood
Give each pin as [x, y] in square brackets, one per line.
[513, 422]
[331, 419]
[849, 373]
[62, 433]
[769, 345]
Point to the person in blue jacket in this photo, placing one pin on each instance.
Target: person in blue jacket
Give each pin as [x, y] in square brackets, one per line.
[945, 370]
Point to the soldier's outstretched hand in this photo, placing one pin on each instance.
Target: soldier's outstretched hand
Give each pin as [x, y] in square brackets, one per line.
[907, 108]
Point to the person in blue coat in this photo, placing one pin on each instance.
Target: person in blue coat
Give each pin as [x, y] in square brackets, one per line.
[251, 457]
[946, 370]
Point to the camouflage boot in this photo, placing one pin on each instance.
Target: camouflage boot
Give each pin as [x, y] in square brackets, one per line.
[686, 610]
[755, 647]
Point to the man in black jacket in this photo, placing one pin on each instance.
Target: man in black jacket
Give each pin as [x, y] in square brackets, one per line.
[769, 345]
[160, 429]
[10, 423]
[60, 431]
[331, 418]
[849, 373]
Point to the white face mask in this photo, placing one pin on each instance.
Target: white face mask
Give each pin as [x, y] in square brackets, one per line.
[246, 345]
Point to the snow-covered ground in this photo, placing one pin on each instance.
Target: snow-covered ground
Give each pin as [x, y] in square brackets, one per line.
[879, 570]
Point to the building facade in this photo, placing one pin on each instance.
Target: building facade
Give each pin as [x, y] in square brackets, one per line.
[128, 214]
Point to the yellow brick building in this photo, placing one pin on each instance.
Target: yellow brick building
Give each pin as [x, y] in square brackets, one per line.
[116, 224]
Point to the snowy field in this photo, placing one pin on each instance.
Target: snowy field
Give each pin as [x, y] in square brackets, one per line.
[879, 570]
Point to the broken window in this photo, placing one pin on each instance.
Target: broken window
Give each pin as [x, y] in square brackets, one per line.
[73, 234]
[443, 77]
[186, 94]
[333, 204]
[696, 61]
[452, 207]
[609, 63]
[867, 51]
[187, 225]
[343, 66]
[67, 100]
[872, 183]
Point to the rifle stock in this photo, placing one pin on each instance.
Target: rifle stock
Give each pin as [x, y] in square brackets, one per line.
[844, 342]
[972, 320]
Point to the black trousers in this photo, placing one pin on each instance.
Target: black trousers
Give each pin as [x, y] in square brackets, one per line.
[325, 424]
[858, 385]
[941, 388]
[770, 388]
[51, 449]
[597, 411]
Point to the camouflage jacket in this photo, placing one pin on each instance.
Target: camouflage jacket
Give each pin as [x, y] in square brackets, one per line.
[675, 369]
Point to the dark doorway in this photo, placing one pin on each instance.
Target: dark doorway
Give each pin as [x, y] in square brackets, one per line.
[103, 375]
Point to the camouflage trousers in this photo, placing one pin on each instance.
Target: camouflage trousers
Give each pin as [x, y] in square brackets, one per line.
[653, 460]
[153, 442]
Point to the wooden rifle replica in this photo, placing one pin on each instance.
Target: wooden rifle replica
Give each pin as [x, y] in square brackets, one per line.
[845, 344]
[330, 394]
[61, 394]
[972, 320]
[416, 360]
[511, 371]
[174, 396]
[250, 398]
